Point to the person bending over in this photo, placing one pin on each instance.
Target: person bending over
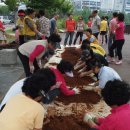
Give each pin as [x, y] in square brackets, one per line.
[84, 63]
[116, 94]
[63, 68]
[32, 52]
[104, 73]
[24, 111]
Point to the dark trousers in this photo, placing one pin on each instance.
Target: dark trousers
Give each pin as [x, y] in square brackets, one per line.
[96, 34]
[118, 44]
[111, 41]
[21, 39]
[25, 61]
[77, 35]
[92, 129]
[52, 94]
[69, 34]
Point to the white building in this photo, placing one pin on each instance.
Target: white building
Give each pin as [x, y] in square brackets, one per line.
[107, 5]
[127, 6]
[91, 4]
[119, 5]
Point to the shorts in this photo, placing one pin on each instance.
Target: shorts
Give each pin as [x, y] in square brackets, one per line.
[103, 32]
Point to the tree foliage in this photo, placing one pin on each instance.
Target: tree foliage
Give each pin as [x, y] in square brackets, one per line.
[57, 6]
[11, 4]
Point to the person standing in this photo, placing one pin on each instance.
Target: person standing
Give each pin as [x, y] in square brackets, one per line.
[89, 23]
[103, 29]
[20, 26]
[53, 24]
[80, 29]
[30, 28]
[95, 23]
[44, 24]
[119, 39]
[112, 28]
[70, 28]
[2, 34]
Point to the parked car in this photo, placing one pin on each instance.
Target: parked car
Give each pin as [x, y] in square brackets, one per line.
[5, 19]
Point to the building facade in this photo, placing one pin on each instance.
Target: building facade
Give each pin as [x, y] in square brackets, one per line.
[91, 4]
[107, 5]
[119, 5]
[127, 6]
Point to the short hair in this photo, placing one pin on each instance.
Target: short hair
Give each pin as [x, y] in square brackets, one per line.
[121, 17]
[115, 14]
[41, 12]
[54, 39]
[90, 16]
[102, 17]
[65, 66]
[84, 45]
[69, 15]
[30, 11]
[116, 92]
[95, 11]
[106, 17]
[95, 63]
[89, 30]
[42, 80]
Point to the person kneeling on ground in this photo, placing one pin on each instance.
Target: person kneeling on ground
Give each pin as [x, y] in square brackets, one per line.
[104, 73]
[23, 111]
[95, 47]
[117, 95]
[87, 56]
[63, 68]
[32, 52]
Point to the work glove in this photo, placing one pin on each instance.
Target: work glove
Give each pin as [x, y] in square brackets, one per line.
[77, 91]
[31, 69]
[87, 117]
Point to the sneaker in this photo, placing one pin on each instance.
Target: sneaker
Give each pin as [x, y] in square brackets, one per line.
[118, 62]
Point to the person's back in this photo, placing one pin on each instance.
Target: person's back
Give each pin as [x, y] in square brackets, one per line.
[25, 112]
[14, 90]
[103, 25]
[112, 25]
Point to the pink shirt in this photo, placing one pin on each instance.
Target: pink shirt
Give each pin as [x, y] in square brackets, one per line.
[119, 119]
[112, 25]
[59, 78]
[120, 31]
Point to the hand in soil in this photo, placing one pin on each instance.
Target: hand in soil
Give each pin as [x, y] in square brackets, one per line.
[77, 91]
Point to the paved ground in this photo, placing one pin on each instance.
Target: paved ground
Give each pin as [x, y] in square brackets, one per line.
[10, 74]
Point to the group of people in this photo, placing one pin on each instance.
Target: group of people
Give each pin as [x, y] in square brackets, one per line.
[21, 108]
[112, 32]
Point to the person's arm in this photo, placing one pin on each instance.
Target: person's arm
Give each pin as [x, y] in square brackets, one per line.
[98, 23]
[79, 66]
[65, 90]
[83, 74]
[30, 25]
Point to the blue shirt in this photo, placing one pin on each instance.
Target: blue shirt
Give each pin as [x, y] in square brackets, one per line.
[107, 74]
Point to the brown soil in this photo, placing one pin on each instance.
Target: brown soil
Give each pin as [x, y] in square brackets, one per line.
[65, 123]
[76, 81]
[71, 54]
[88, 97]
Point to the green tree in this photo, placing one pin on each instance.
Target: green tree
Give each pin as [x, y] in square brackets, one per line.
[11, 4]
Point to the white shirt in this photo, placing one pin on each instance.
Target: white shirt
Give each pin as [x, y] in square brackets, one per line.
[15, 89]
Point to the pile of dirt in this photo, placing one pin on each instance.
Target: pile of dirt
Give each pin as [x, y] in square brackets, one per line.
[71, 54]
[65, 123]
[87, 97]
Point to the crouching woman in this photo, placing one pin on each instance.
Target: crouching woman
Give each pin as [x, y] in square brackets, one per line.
[117, 95]
[23, 111]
